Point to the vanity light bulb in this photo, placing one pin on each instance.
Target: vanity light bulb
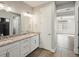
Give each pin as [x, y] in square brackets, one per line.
[1, 6]
[26, 14]
[8, 9]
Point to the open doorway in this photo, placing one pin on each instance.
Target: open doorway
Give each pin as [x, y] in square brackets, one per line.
[65, 26]
[66, 32]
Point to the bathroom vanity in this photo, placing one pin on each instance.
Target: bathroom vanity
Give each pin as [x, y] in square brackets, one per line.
[19, 46]
[13, 40]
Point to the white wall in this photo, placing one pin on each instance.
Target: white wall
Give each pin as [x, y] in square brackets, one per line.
[44, 22]
[25, 24]
[19, 7]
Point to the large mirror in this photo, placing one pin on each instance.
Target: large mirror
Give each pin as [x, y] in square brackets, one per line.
[9, 23]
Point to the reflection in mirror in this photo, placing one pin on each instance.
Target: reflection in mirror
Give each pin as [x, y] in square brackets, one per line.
[4, 26]
[9, 23]
[16, 25]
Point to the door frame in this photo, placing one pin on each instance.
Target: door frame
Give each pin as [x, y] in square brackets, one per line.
[76, 28]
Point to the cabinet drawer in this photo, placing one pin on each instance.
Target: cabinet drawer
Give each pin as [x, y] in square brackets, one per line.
[25, 40]
[13, 44]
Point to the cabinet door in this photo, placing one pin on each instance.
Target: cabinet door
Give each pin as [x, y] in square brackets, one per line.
[25, 47]
[34, 42]
[3, 51]
[14, 50]
[47, 26]
[3, 54]
[37, 41]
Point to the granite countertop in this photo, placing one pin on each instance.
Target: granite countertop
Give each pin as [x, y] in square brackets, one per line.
[12, 39]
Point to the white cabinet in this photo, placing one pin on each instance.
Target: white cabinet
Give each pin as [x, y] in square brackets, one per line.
[46, 26]
[25, 47]
[21, 48]
[10, 50]
[34, 42]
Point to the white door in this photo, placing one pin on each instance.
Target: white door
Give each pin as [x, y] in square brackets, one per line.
[25, 47]
[46, 26]
[33, 43]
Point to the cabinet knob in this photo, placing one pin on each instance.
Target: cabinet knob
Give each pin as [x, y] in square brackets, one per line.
[35, 41]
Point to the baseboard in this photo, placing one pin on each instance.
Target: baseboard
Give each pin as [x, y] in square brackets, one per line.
[52, 50]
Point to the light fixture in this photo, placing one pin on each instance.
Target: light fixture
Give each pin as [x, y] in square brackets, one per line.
[65, 10]
[5, 7]
[8, 9]
[2, 6]
[27, 14]
[7, 20]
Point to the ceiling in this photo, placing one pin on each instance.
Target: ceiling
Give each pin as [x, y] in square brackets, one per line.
[38, 3]
[35, 3]
[65, 8]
